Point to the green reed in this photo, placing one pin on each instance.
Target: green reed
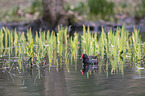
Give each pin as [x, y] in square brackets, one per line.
[112, 44]
[102, 43]
[74, 46]
[6, 37]
[1, 41]
[62, 48]
[89, 42]
[22, 45]
[16, 42]
[143, 50]
[136, 38]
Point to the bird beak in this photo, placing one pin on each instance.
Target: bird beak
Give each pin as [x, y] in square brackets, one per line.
[81, 56]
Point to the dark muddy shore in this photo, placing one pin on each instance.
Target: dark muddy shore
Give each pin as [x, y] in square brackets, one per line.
[38, 25]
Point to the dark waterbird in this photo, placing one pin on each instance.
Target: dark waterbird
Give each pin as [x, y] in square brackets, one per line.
[87, 61]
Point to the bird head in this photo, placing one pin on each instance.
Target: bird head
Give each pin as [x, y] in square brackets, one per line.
[84, 56]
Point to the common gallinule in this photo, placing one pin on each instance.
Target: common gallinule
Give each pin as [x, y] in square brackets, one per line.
[87, 61]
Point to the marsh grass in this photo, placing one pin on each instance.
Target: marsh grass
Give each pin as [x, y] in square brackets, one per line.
[1, 41]
[63, 49]
[116, 47]
[113, 44]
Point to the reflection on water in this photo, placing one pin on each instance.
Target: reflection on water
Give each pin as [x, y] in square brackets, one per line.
[124, 79]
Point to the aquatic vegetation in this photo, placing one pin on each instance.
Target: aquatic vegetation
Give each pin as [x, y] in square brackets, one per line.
[113, 44]
[52, 49]
[137, 44]
[1, 41]
[89, 42]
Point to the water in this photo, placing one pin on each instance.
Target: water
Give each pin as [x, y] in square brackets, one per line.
[95, 82]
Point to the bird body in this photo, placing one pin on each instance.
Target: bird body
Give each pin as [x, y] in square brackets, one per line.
[87, 61]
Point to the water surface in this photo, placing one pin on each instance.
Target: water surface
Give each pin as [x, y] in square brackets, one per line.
[96, 82]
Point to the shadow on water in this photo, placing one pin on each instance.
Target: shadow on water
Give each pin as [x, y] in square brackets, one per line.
[107, 78]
